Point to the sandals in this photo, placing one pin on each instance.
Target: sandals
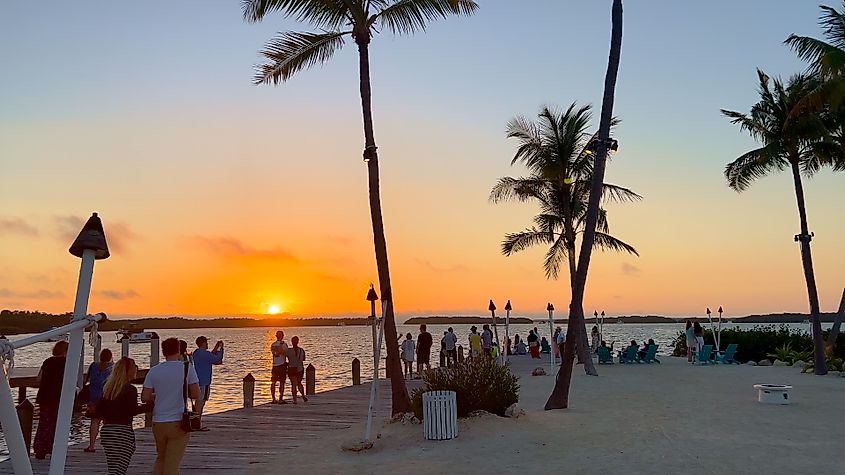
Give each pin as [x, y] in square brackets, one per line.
[89, 450]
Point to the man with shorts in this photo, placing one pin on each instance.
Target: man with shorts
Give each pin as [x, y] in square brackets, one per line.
[424, 342]
[449, 341]
[279, 349]
[203, 361]
[487, 341]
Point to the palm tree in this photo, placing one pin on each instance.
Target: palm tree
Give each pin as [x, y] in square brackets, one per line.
[559, 398]
[291, 52]
[557, 151]
[827, 60]
[800, 142]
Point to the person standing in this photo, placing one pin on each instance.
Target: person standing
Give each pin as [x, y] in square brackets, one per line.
[560, 340]
[424, 342]
[98, 372]
[279, 349]
[449, 341]
[698, 331]
[533, 344]
[408, 353]
[474, 342]
[487, 341]
[49, 379]
[166, 384]
[203, 362]
[595, 340]
[690, 337]
[296, 368]
[117, 407]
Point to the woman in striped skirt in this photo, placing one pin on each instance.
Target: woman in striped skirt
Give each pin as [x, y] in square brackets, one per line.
[117, 408]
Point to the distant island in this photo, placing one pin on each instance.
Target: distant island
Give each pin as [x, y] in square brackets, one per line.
[13, 322]
[463, 320]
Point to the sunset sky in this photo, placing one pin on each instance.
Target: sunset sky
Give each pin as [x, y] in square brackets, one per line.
[220, 197]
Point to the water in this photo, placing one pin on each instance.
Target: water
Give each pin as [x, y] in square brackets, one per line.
[329, 349]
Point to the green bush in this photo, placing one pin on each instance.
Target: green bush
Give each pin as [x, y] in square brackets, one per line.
[479, 385]
[787, 354]
[755, 344]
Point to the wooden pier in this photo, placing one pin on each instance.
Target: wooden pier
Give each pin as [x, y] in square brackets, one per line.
[253, 440]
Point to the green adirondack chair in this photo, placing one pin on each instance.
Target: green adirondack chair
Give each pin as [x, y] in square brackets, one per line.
[604, 355]
[629, 356]
[651, 355]
[703, 357]
[728, 356]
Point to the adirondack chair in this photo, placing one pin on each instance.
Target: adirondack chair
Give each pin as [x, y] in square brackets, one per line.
[604, 355]
[703, 356]
[629, 356]
[728, 356]
[651, 355]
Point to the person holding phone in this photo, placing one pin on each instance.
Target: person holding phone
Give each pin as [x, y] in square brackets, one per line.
[203, 362]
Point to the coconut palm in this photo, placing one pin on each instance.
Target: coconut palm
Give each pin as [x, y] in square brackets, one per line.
[559, 398]
[291, 52]
[802, 143]
[557, 151]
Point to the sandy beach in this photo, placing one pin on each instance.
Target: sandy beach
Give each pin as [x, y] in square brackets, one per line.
[667, 418]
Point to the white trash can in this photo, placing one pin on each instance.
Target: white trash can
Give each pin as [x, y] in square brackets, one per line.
[773, 393]
[440, 415]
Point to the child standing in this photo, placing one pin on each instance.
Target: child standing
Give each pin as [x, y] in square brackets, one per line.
[408, 352]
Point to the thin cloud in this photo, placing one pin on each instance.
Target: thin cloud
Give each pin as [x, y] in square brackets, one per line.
[117, 295]
[428, 265]
[230, 247]
[630, 269]
[38, 294]
[17, 226]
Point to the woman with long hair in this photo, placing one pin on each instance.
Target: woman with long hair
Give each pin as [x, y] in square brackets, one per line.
[698, 331]
[98, 372]
[117, 407]
[296, 368]
[49, 393]
[689, 334]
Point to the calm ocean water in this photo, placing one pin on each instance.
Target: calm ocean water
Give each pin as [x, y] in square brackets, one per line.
[329, 349]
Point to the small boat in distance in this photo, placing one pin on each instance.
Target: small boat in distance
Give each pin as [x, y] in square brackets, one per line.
[57, 337]
[135, 336]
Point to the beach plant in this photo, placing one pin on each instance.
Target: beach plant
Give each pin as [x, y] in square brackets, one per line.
[754, 344]
[559, 397]
[803, 143]
[479, 384]
[292, 51]
[556, 150]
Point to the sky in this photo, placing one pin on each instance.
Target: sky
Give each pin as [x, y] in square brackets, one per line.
[220, 197]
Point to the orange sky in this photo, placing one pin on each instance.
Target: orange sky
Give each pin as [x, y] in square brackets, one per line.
[219, 197]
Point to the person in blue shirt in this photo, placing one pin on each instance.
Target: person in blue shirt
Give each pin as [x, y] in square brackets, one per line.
[203, 361]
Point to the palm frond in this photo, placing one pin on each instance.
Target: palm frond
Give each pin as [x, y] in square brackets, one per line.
[617, 194]
[554, 256]
[410, 16]
[516, 242]
[607, 242]
[822, 56]
[325, 14]
[753, 165]
[291, 52]
[520, 189]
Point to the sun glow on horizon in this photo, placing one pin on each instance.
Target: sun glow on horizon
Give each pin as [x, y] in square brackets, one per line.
[273, 309]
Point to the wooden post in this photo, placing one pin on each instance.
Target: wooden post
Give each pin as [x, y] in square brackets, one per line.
[25, 410]
[442, 358]
[154, 350]
[21, 394]
[249, 390]
[460, 354]
[124, 346]
[310, 380]
[356, 372]
[98, 346]
[386, 369]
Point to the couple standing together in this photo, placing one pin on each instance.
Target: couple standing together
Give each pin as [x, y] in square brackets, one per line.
[288, 362]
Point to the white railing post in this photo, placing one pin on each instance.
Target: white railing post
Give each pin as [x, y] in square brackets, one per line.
[11, 427]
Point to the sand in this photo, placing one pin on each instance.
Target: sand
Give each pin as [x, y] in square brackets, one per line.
[667, 418]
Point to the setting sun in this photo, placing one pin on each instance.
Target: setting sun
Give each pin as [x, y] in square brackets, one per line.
[273, 309]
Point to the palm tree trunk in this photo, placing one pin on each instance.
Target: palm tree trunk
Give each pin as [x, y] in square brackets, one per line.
[804, 238]
[401, 401]
[837, 323]
[583, 348]
[559, 398]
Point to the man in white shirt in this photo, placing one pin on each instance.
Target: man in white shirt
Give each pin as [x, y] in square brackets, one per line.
[449, 342]
[279, 349]
[165, 384]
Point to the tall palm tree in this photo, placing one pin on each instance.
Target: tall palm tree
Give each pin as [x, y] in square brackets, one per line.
[801, 142]
[291, 52]
[557, 151]
[827, 60]
[559, 398]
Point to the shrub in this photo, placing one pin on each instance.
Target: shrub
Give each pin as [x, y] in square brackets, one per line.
[755, 344]
[479, 385]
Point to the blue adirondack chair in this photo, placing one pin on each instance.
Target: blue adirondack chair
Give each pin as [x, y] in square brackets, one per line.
[651, 355]
[703, 356]
[629, 356]
[728, 356]
[604, 355]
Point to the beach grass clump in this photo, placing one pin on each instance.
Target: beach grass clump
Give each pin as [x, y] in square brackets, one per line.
[480, 385]
[755, 344]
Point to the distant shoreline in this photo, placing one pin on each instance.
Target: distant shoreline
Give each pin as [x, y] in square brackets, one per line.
[14, 322]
